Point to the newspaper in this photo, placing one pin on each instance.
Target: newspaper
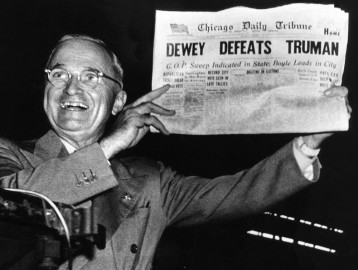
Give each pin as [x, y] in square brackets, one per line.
[245, 70]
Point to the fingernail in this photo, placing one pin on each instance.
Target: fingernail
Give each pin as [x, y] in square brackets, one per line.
[327, 93]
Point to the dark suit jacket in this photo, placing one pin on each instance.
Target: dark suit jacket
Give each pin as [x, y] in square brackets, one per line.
[138, 198]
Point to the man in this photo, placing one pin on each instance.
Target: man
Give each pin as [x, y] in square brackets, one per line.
[78, 163]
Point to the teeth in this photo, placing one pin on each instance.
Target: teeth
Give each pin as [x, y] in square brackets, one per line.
[68, 104]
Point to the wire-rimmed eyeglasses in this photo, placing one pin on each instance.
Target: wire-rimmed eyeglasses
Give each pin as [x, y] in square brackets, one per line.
[59, 77]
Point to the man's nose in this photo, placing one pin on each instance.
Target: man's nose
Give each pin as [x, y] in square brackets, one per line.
[73, 86]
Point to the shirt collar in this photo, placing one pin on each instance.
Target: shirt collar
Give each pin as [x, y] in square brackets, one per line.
[70, 149]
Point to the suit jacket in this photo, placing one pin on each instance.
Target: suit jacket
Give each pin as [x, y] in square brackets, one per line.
[137, 198]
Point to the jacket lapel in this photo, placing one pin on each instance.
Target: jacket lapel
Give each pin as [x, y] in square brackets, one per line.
[50, 146]
[113, 206]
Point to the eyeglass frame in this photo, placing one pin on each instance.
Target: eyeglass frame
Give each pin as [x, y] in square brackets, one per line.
[99, 74]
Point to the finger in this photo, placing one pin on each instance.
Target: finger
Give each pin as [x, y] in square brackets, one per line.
[141, 121]
[336, 91]
[349, 108]
[154, 121]
[152, 95]
[153, 108]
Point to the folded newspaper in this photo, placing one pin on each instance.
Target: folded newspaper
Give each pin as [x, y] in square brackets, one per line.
[245, 70]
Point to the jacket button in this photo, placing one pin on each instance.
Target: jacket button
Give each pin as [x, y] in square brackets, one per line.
[126, 197]
[134, 248]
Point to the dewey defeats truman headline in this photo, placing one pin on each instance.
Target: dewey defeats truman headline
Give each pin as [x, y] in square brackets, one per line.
[254, 47]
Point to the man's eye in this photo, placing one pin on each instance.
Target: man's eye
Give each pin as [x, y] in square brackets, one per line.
[59, 74]
[90, 76]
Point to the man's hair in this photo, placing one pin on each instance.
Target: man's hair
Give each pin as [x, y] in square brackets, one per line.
[117, 67]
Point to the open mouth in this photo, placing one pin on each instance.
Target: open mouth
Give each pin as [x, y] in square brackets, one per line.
[74, 106]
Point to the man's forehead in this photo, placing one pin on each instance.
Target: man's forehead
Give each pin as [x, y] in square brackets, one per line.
[80, 50]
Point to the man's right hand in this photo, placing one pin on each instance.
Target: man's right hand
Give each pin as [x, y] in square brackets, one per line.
[133, 123]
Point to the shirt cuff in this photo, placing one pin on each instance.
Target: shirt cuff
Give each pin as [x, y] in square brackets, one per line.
[305, 157]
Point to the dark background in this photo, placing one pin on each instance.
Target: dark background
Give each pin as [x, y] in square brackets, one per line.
[30, 29]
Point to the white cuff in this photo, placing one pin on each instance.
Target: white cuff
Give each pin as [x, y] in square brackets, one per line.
[305, 157]
[307, 151]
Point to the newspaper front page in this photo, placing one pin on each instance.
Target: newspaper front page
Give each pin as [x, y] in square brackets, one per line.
[244, 70]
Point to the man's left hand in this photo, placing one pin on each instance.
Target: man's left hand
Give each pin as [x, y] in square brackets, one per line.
[314, 141]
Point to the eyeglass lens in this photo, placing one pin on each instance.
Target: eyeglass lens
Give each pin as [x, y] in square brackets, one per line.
[60, 77]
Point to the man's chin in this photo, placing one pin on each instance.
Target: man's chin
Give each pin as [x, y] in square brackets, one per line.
[78, 136]
[76, 131]
[74, 126]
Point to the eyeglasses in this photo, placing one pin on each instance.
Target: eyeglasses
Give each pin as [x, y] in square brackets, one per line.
[89, 78]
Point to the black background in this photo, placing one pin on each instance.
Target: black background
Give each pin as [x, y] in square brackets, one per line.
[30, 29]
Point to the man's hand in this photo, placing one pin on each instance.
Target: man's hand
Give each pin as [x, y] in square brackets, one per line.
[133, 123]
[314, 141]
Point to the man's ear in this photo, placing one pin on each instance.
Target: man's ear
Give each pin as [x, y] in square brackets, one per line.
[119, 102]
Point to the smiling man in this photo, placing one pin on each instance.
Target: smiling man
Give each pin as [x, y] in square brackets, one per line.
[136, 199]
[79, 96]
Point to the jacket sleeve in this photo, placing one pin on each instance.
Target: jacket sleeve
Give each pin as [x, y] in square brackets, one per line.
[71, 179]
[194, 200]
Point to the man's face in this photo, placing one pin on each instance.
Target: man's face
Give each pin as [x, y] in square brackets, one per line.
[77, 113]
